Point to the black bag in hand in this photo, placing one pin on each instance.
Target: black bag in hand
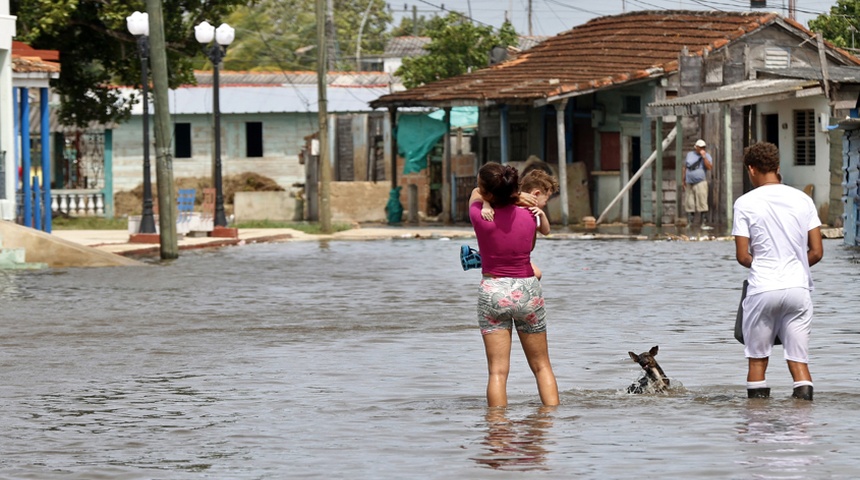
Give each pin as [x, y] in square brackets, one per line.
[739, 320]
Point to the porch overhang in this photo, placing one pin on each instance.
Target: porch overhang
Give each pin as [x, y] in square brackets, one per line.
[739, 94]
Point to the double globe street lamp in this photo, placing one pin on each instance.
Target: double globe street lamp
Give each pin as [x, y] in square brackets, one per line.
[222, 36]
[138, 25]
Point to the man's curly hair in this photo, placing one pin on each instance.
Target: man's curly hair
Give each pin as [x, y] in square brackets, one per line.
[762, 156]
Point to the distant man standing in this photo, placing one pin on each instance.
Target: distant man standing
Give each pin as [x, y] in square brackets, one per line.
[696, 167]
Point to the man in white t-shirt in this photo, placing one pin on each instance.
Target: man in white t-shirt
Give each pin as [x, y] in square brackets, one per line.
[778, 237]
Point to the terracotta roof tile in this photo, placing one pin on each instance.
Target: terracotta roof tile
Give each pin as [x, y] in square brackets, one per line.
[33, 65]
[26, 59]
[602, 52]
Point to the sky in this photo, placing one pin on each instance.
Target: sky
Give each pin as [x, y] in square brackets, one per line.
[550, 17]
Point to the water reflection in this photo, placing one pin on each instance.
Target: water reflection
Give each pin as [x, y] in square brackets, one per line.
[777, 438]
[516, 444]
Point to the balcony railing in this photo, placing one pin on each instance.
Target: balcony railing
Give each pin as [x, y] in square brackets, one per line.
[78, 202]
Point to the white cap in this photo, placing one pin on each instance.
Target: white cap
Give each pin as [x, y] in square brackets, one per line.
[701, 143]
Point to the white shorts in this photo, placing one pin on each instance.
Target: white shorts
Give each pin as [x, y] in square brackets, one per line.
[786, 313]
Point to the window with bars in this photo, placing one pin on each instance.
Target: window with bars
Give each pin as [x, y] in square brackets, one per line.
[804, 137]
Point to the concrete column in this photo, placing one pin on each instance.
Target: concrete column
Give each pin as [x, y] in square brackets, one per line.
[504, 138]
[560, 107]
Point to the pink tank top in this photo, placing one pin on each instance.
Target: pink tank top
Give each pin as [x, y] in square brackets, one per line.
[506, 242]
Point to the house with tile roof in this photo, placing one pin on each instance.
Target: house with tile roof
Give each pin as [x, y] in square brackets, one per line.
[615, 100]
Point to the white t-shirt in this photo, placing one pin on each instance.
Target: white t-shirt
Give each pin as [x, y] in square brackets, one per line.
[777, 220]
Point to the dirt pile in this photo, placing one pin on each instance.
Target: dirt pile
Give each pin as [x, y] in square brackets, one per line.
[131, 202]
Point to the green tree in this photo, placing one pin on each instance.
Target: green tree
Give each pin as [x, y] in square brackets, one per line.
[841, 25]
[457, 46]
[411, 28]
[273, 35]
[281, 34]
[97, 52]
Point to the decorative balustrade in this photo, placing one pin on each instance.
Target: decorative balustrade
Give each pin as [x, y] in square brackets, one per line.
[78, 202]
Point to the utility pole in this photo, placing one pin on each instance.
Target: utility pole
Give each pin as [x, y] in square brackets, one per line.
[322, 74]
[330, 38]
[163, 158]
[530, 18]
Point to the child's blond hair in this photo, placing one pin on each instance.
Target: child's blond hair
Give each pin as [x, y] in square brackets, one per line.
[539, 180]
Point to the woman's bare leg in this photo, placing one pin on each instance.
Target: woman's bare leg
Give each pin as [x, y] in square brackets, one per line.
[498, 347]
[537, 354]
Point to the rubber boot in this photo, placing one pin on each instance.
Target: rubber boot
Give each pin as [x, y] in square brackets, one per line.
[803, 392]
[758, 392]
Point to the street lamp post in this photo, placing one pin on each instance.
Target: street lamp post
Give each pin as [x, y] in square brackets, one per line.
[138, 25]
[223, 36]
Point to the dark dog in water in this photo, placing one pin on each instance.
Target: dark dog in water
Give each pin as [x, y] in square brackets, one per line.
[654, 380]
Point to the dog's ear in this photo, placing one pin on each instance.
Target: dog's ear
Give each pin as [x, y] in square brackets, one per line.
[653, 350]
[634, 357]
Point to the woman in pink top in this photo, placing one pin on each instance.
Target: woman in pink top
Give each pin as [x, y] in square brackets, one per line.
[509, 295]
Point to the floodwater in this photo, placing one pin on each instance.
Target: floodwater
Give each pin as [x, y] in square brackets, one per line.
[362, 359]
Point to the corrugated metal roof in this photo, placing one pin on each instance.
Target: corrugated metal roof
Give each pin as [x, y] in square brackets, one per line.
[267, 99]
[339, 79]
[834, 73]
[749, 91]
[741, 93]
[407, 46]
[604, 52]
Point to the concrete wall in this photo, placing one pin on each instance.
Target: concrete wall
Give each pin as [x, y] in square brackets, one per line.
[275, 206]
[42, 247]
[282, 140]
[359, 201]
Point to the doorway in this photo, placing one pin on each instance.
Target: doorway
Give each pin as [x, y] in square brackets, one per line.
[770, 125]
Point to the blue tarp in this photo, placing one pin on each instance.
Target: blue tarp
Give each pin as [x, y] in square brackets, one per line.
[417, 134]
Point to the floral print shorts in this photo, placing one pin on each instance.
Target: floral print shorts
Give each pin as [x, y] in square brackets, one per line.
[505, 302]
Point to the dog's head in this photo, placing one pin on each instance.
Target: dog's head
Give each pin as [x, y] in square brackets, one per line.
[646, 359]
[649, 364]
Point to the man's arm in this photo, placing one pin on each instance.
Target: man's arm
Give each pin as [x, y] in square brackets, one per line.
[742, 251]
[707, 161]
[816, 248]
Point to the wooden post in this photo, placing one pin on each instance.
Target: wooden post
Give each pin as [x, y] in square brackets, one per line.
[169, 244]
[447, 184]
[322, 117]
[679, 164]
[727, 161]
[645, 165]
[658, 166]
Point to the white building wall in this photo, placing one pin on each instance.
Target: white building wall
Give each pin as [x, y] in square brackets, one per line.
[7, 116]
[283, 138]
[799, 176]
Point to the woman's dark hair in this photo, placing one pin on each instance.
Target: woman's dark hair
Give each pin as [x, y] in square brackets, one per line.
[499, 183]
[762, 156]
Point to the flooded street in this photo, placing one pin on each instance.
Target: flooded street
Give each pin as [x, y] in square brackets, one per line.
[362, 359]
